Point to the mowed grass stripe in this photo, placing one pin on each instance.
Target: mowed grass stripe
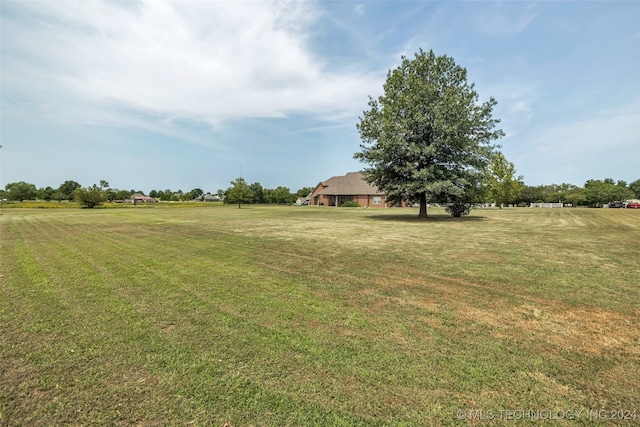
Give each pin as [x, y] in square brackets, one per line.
[225, 349]
[282, 316]
[85, 356]
[86, 286]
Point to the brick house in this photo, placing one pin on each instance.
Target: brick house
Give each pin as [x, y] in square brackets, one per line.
[137, 197]
[208, 198]
[350, 187]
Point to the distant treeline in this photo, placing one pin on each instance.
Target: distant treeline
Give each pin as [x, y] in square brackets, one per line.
[594, 193]
[70, 190]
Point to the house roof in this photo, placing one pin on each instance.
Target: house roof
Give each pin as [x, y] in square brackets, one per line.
[352, 183]
[139, 196]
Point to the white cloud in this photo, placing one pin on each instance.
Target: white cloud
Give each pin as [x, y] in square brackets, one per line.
[595, 145]
[516, 103]
[616, 129]
[359, 9]
[504, 22]
[520, 106]
[167, 60]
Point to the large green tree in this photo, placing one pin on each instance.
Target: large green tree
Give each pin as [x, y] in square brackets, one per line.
[258, 193]
[45, 193]
[238, 193]
[67, 188]
[166, 195]
[20, 191]
[123, 195]
[281, 195]
[304, 192]
[501, 181]
[58, 195]
[530, 194]
[428, 138]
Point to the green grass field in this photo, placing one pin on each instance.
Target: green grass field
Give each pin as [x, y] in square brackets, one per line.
[292, 316]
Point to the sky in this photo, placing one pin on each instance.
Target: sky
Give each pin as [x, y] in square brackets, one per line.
[155, 94]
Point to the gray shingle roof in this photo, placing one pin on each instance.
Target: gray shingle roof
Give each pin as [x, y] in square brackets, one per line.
[353, 183]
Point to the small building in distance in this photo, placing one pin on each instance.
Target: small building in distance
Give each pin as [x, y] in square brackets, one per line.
[141, 198]
[351, 187]
[208, 198]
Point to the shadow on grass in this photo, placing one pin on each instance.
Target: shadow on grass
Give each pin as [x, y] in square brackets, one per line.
[429, 218]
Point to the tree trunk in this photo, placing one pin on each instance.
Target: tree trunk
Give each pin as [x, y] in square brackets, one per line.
[423, 205]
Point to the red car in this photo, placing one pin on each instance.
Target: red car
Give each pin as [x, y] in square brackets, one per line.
[633, 205]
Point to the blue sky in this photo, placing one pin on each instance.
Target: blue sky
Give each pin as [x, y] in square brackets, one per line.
[155, 94]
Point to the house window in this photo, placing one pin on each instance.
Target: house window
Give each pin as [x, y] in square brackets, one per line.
[377, 200]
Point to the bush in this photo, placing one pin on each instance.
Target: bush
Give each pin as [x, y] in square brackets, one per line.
[90, 197]
[458, 209]
[350, 204]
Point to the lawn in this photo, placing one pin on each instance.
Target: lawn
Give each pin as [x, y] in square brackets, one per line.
[292, 316]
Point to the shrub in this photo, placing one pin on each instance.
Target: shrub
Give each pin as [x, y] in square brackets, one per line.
[350, 204]
[90, 197]
[458, 209]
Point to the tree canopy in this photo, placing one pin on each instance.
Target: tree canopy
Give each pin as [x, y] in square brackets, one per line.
[281, 195]
[600, 192]
[501, 180]
[90, 197]
[238, 193]
[67, 188]
[304, 192]
[635, 187]
[20, 191]
[428, 138]
[258, 193]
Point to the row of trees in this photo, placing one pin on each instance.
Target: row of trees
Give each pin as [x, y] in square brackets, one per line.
[595, 192]
[500, 185]
[99, 193]
[241, 193]
[21, 191]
